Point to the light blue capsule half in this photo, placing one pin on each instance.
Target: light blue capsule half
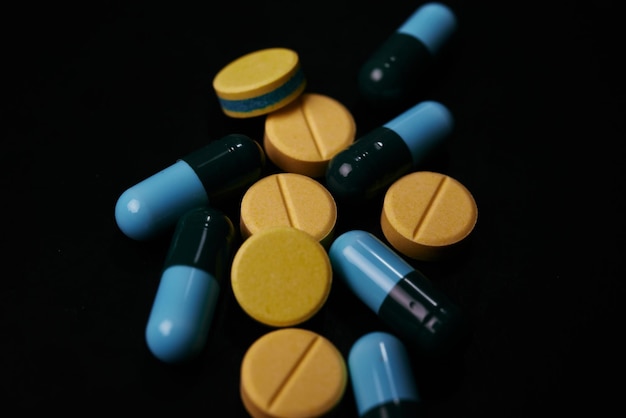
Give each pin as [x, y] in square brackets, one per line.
[154, 204]
[433, 24]
[181, 314]
[368, 267]
[380, 372]
[422, 127]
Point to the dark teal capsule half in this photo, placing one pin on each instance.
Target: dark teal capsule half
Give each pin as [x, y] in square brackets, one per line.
[393, 72]
[374, 161]
[214, 171]
[196, 266]
[227, 165]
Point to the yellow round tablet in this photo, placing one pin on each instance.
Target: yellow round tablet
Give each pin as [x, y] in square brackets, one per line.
[289, 199]
[292, 372]
[303, 136]
[259, 82]
[427, 215]
[281, 276]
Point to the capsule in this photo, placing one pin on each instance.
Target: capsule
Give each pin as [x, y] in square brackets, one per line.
[197, 263]
[401, 296]
[392, 73]
[382, 379]
[154, 205]
[373, 162]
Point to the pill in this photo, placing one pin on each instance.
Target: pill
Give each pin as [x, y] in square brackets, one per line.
[394, 71]
[382, 378]
[291, 373]
[402, 297]
[195, 269]
[303, 136]
[427, 216]
[222, 167]
[369, 165]
[281, 276]
[259, 82]
[289, 199]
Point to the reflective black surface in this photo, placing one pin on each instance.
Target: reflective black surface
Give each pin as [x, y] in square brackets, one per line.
[100, 95]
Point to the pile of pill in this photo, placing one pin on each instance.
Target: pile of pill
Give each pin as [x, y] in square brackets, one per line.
[282, 272]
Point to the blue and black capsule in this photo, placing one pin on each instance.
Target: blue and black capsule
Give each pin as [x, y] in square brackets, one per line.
[402, 297]
[373, 162]
[214, 171]
[195, 269]
[393, 72]
[382, 377]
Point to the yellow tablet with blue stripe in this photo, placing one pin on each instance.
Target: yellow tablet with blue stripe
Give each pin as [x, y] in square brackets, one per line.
[259, 82]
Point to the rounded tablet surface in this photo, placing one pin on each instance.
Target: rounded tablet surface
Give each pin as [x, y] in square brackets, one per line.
[289, 199]
[281, 276]
[259, 82]
[303, 136]
[292, 372]
[426, 215]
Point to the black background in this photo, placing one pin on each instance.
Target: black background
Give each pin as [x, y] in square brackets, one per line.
[103, 94]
